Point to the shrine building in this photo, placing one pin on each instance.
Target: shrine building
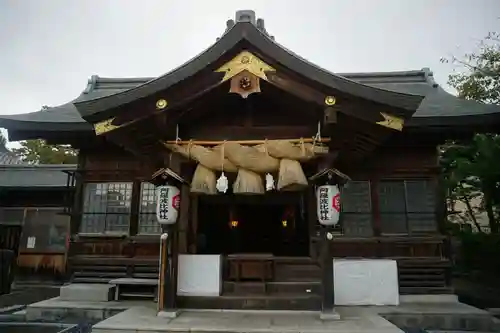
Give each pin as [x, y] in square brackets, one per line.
[248, 131]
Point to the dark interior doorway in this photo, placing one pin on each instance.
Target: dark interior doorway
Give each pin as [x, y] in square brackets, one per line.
[274, 224]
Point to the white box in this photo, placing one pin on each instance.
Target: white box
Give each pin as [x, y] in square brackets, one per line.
[365, 282]
[199, 275]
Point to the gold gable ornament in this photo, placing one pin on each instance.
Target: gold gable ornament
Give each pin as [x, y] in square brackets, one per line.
[244, 84]
[245, 61]
[391, 122]
[104, 126]
[161, 104]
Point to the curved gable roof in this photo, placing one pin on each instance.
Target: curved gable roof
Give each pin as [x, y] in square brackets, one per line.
[247, 31]
[404, 89]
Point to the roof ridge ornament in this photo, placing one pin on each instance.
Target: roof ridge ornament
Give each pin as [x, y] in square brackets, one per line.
[91, 84]
[247, 16]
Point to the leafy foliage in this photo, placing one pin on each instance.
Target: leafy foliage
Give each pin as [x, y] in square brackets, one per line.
[479, 254]
[471, 170]
[39, 152]
[480, 80]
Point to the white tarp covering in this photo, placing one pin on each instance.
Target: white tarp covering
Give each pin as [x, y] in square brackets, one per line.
[199, 275]
[365, 282]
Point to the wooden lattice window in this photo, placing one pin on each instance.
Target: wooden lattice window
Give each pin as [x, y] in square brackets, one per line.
[106, 208]
[148, 224]
[407, 206]
[357, 209]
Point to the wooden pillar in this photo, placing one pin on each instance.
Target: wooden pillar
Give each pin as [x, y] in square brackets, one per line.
[312, 222]
[76, 213]
[168, 273]
[134, 208]
[375, 204]
[184, 217]
[327, 270]
[194, 224]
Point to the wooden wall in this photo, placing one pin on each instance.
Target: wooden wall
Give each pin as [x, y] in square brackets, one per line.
[106, 165]
[111, 164]
[105, 256]
[37, 210]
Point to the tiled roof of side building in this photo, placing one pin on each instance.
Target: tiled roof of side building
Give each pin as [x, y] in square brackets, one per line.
[30, 176]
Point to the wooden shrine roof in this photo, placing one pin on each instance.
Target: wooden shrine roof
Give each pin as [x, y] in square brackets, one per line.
[404, 90]
[439, 108]
[248, 32]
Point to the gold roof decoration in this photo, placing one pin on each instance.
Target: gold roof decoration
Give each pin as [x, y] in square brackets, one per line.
[245, 61]
[391, 121]
[104, 126]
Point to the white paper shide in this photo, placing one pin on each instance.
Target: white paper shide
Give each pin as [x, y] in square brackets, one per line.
[222, 183]
[269, 182]
[168, 200]
[328, 204]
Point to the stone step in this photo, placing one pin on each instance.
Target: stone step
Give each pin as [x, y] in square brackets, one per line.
[87, 292]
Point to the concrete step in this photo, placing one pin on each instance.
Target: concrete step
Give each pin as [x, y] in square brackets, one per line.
[87, 292]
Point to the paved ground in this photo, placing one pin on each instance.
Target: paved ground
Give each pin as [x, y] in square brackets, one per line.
[28, 295]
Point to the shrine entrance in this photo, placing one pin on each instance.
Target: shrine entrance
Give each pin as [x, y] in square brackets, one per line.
[274, 224]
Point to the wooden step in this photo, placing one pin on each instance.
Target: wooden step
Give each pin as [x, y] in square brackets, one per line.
[90, 280]
[282, 302]
[422, 283]
[295, 287]
[288, 272]
[272, 288]
[425, 290]
[421, 277]
[100, 274]
[244, 288]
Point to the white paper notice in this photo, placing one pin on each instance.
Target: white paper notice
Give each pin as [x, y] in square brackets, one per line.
[365, 282]
[31, 242]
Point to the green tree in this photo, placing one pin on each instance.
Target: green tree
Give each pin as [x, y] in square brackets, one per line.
[479, 75]
[472, 169]
[39, 152]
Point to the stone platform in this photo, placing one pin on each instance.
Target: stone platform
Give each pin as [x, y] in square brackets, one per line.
[144, 319]
[434, 313]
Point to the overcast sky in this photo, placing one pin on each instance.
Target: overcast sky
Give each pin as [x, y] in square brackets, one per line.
[49, 48]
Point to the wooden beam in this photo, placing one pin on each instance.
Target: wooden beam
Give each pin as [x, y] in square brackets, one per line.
[244, 142]
[286, 83]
